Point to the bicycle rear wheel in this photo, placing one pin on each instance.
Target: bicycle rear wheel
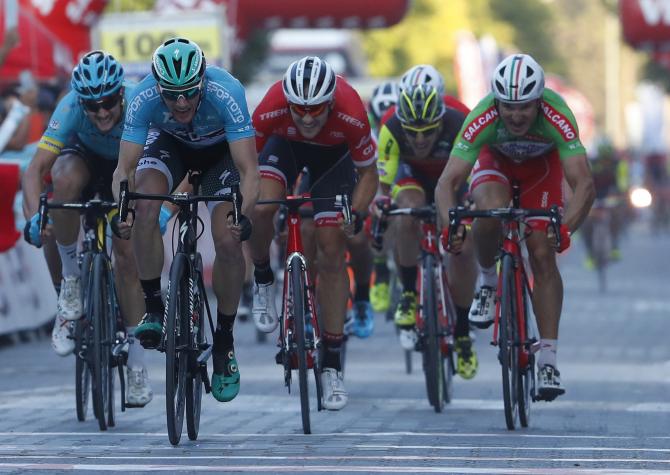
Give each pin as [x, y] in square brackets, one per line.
[82, 340]
[194, 380]
[176, 346]
[507, 338]
[101, 341]
[433, 364]
[297, 294]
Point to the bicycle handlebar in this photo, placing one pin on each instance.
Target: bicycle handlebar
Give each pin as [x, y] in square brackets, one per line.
[295, 202]
[179, 199]
[95, 204]
[425, 213]
[506, 214]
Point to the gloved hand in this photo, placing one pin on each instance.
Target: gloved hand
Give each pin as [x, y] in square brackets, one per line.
[243, 228]
[163, 218]
[31, 231]
[565, 238]
[456, 245]
[380, 203]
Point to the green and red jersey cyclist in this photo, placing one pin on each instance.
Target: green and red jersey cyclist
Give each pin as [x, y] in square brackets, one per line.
[414, 147]
[80, 150]
[521, 132]
[314, 119]
[187, 116]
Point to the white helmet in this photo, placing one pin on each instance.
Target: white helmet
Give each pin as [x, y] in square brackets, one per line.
[383, 96]
[309, 81]
[422, 74]
[518, 78]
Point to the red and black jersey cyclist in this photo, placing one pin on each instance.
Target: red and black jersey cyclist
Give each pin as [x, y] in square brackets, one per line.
[521, 132]
[414, 147]
[314, 119]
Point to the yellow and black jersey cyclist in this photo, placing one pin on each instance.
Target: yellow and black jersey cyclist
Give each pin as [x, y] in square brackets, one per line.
[414, 147]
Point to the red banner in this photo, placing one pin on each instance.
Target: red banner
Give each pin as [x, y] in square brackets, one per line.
[54, 34]
[645, 23]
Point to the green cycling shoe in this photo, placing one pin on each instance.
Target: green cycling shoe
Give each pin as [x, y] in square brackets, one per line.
[226, 384]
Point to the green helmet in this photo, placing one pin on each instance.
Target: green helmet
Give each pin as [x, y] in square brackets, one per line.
[178, 64]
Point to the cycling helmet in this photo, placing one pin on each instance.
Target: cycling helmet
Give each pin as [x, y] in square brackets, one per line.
[420, 105]
[97, 75]
[518, 78]
[383, 96]
[309, 81]
[423, 74]
[178, 64]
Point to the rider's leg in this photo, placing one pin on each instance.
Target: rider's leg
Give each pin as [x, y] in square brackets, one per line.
[70, 175]
[360, 259]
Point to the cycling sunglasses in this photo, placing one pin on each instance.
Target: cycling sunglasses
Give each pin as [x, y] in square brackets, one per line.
[173, 95]
[314, 111]
[108, 103]
[426, 130]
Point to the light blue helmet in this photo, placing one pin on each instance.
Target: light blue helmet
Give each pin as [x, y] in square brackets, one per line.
[97, 75]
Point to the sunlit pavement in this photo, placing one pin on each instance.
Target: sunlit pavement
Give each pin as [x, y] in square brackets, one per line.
[614, 357]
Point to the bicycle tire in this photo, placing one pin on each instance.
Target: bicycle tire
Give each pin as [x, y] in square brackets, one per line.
[176, 358]
[81, 343]
[447, 330]
[527, 374]
[110, 337]
[101, 341]
[194, 381]
[297, 294]
[506, 343]
[433, 363]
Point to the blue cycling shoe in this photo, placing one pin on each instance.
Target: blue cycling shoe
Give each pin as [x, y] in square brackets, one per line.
[364, 319]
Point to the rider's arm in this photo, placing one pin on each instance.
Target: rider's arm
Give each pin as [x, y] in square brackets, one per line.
[388, 159]
[454, 174]
[366, 187]
[33, 179]
[578, 175]
[244, 156]
[129, 156]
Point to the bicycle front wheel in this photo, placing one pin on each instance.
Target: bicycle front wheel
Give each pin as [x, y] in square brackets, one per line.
[433, 364]
[82, 340]
[194, 380]
[297, 295]
[527, 372]
[508, 343]
[102, 340]
[176, 346]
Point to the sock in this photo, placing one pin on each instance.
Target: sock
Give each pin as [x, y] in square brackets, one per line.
[462, 323]
[382, 274]
[152, 295]
[224, 330]
[548, 350]
[408, 278]
[68, 257]
[332, 344]
[362, 293]
[488, 276]
[263, 273]
[135, 351]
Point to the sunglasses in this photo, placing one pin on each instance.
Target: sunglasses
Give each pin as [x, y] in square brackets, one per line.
[107, 104]
[427, 130]
[302, 111]
[174, 95]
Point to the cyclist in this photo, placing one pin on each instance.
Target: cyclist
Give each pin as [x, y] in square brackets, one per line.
[186, 116]
[605, 166]
[384, 96]
[315, 119]
[80, 149]
[414, 148]
[521, 132]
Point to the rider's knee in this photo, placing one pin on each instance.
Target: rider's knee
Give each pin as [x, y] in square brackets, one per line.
[146, 214]
[69, 176]
[227, 247]
[331, 255]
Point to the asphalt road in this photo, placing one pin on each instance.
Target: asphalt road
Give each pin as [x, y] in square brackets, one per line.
[614, 356]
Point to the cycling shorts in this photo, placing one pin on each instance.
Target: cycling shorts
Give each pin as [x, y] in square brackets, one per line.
[100, 170]
[409, 178]
[540, 179]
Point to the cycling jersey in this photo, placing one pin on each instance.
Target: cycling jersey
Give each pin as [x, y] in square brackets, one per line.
[395, 148]
[449, 101]
[221, 115]
[70, 123]
[554, 128]
[347, 123]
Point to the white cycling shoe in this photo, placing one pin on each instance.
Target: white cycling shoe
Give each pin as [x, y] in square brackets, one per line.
[69, 299]
[334, 396]
[483, 310]
[138, 390]
[264, 311]
[61, 337]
